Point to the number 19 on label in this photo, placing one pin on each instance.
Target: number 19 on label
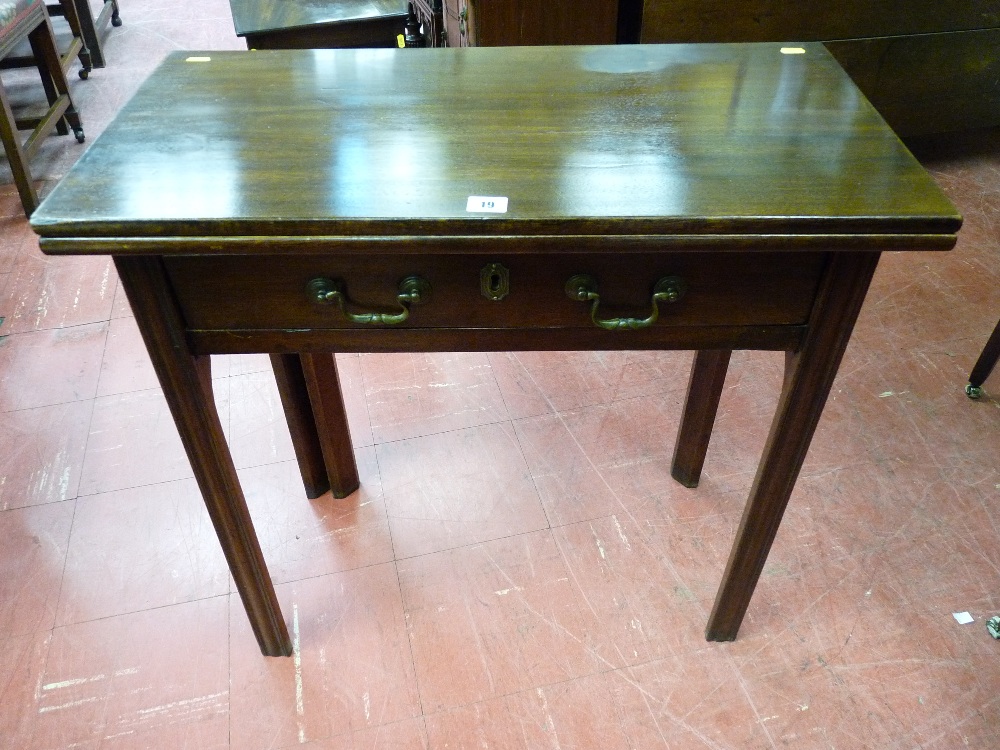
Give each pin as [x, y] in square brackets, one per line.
[486, 204]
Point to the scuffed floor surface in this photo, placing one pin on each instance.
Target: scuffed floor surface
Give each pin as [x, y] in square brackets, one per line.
[518, 569]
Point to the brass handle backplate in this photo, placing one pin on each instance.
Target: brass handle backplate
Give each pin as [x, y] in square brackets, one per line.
[583, 288]
[413, 290]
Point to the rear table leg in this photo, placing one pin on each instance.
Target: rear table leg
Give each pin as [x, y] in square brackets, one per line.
[314, 408]
[708, 376]
[301, 425]
[323, 384]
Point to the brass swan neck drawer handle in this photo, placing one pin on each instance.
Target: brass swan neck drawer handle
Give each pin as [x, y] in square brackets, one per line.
[413, 290]
[583, 288]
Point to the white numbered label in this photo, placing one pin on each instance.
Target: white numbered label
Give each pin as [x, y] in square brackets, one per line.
[488, 204]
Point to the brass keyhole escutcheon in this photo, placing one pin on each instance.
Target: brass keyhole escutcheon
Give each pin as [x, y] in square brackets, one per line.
[494, 281]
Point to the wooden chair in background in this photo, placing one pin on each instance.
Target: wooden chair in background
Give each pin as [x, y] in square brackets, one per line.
[78, 47]
[69, 42]
[92, 27]
[28, 19]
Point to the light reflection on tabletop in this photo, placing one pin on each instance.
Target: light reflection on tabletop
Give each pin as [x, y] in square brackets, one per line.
[565, 133]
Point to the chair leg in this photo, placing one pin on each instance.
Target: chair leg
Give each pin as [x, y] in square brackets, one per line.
[69, 11]
[16, 157]
[88, 31]
[48, 61]
[984, 365]
[91, 27]
[46, 55]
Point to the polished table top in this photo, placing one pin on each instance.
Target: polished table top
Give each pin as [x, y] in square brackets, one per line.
[619, 140]
[254, 16]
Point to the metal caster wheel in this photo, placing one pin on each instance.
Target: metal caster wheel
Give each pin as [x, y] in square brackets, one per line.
[79, 135]
[973, 391]
[116, 21]
[84, 73]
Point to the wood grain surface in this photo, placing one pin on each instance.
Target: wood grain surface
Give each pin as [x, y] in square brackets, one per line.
[614, 140]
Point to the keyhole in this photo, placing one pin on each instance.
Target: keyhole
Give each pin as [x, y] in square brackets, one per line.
[494, 282]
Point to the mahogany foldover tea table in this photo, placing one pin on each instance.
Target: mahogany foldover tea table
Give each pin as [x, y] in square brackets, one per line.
[704, 197]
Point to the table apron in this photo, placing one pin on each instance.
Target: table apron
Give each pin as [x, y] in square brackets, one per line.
[770, 338]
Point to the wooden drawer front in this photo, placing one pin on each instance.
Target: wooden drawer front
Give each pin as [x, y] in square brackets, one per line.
[253, 292]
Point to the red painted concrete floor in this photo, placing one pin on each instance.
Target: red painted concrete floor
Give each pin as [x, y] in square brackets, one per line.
[518, 569]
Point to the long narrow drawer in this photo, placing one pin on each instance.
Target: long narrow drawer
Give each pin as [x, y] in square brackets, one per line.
[490, 291]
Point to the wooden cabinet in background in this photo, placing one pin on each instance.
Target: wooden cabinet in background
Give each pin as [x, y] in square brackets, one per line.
[781, 20]
[927, 65]
[515, 23]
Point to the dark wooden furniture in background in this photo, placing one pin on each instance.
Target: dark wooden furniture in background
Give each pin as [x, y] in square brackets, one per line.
[92, 28]
[69, 42]
[706, 197]
[30, 21]
[70, 10]
[430, 14]
[318, 24]
[927, 65]
[984, 365]
[509, 23]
